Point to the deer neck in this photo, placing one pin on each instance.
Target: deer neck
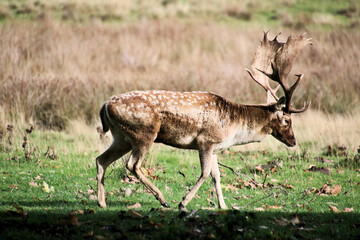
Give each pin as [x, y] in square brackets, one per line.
[249, 123]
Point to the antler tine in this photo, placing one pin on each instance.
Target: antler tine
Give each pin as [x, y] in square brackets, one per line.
[264, 84]
[303, 109]
[289, 108]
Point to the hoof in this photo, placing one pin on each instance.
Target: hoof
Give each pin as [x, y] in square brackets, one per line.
[166, 205]
[102, 205]
[182, 208]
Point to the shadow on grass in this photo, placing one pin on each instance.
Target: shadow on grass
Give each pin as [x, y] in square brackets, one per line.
[58, 220]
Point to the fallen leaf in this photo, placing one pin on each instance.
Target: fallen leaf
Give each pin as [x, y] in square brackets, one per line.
[260, 209]
[73, 221]
[336, 190]
[19, 211]
[324, 160]
[92, 197]
[208, 208]
[45, 187]
[13, 186]
[288, 186]
[229, 188]
[100, 237]
[33, 184]
[135, 214]
[325, 189]
[333, 209]
[274, 207]
[259, 168]
[156, 225]
[296, 220]
[313, 168]
[130, 179]
[235, 207]
[88, 234]
[89, 191]
[349, 209]
[128, 192]
[281, 221]
[75, 212]
[136, 205]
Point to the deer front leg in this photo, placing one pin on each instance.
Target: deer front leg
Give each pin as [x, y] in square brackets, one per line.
[134, 166]
[215, 174]
[205, 161]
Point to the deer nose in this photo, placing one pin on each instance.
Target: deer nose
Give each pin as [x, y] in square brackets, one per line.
[291, 142]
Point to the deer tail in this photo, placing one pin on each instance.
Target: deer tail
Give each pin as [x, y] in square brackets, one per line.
[104, 118]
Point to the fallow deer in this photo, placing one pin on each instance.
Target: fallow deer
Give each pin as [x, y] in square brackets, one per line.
[201, 121]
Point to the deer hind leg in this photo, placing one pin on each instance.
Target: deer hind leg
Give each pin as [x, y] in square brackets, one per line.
[114, 152]
[215, 174]
[205, 161]
[134, 166]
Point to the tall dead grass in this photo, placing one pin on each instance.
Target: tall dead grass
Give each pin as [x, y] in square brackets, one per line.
[53, 72]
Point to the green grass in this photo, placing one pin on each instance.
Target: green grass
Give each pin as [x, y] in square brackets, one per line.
[71, 212]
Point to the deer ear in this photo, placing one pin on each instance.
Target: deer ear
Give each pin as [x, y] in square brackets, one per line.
[280, 104]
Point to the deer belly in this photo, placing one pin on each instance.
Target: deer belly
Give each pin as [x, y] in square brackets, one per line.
[179, 141]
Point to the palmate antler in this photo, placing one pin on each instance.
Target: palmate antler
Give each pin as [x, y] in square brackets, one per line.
[278, 58]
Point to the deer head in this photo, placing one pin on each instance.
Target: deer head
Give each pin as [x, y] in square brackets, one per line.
[274, 60]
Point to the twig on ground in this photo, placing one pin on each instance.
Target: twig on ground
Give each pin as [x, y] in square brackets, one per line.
[305, 194]
[264, 180]
[91, 187]
[181, 173]
[317, 195]
[136, 189]
[260, 199]
[223, 165]
[194, 173]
